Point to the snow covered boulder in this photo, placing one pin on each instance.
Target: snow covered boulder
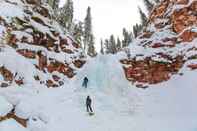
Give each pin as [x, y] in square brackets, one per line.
[5, 107]
[11, 125]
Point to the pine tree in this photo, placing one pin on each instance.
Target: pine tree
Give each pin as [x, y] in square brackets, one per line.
[88, 35]
[137, 29]
[56, 4]
[53, 3]
[130, 38]
[102, 48]
[107, 47]
[78, 32]
[91, 49]
[118, 45]
[149, 5]
[87, 28]
[143, 17]
[157, 1]
[66, 16]
[112, 45]
[127, 38]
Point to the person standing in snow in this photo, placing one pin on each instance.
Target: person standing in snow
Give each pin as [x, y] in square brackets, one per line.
[88, 104]
[85, 82]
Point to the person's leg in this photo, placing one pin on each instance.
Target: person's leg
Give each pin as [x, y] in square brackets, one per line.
[87, 108]
[86, 85]
[90, 108]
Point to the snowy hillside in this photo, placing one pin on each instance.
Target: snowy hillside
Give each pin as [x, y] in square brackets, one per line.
[34, 49]
[117, 104]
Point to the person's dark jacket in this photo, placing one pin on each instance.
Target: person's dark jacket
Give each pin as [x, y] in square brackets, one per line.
[88, 101]
[86, 79]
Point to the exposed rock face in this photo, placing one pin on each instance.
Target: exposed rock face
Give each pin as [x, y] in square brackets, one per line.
[12, 115]
[7, 75]
[167, 40]
[35, 35]
[149, 71]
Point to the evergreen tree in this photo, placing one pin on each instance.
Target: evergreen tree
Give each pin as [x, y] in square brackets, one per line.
[157, 1]
[127, 38]
[112, 45]
[149, 5]
[143, 17]
[78, 32]
[53, 3]
[102, 48]
[91, 49]
[137, 29]
[107, 47]
[118, 45]
[66, 16]
[56, 4]
[88, 35]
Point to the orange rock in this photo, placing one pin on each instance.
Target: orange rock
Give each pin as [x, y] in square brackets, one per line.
[193, 66]
[49, 83]
[7, 75]
[182, 2]
[12, 115]
[149, 71]
[27, 53]
[75, 45]
[78, 63]
[183, 18]
[146, 35]
[42, 61]
[61, 68]
[37, 2]
[188, 36]
[69, 51]
[63, 43]
[12, 41]
[159, 11]
[157, 45]
[19, 82]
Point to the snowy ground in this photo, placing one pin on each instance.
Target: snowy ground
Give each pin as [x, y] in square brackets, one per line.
[118, 106]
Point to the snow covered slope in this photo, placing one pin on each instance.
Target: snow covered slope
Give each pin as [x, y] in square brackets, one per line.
[34, 49]
[117, 104]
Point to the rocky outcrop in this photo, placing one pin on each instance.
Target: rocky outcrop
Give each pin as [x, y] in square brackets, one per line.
[166, 42]
[35, 35]
[12, 115]
[150, 71]
[7, 75]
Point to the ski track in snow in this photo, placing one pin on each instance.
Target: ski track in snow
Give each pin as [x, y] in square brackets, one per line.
[117, 104]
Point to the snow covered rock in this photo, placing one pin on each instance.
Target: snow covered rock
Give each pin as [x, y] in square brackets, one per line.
[38, 40]
[167, 42]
